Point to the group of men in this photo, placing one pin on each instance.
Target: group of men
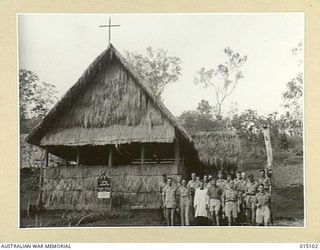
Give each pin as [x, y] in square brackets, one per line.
[241, 200]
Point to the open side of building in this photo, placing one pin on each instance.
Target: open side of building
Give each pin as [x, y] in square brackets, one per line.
[110, 122]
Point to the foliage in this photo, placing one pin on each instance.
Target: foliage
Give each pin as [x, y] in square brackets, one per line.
[292, 103]
[156, 67]
[227, 76]
[199, 120]
[36, 97]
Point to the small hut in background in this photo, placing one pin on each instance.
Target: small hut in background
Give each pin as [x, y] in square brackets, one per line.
[218, 150]
[110, 122]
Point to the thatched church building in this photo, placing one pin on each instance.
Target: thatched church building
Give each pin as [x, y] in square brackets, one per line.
[110, 121]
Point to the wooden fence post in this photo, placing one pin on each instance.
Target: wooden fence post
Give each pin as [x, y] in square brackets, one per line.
[110, 156]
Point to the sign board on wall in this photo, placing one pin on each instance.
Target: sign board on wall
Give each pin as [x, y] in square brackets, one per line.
[104, 186]
[104, 195]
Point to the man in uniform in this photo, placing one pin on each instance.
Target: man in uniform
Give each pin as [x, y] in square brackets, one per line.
[250, 191]
[243, 175]
[193, 184]
[170, 197]
[162, 184]
[265, 180]
[221, 182]
[239, 184]
[227, 182]
[238, 180]
[205, 180]
[262, 204]
[185, 203]
[214, 193]
[231, 203]
[179, 180]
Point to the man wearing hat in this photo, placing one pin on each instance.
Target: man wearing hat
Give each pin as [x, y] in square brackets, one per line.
[170, 200]
[162, 185]
[265, 180]
[250, 191]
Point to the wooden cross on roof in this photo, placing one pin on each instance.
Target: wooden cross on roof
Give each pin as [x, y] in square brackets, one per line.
[109, 26]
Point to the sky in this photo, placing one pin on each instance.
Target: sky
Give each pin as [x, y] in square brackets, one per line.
[59, 47]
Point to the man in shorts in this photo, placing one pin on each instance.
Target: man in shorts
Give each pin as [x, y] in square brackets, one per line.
[231, 203]
[265, 180]
[220, 181]
[185, 203]
[227, 182]
[262, 204]
[214, 192]
[251, 191]
[170, 200]
[239, 184]
[193, 184]
[162, 184]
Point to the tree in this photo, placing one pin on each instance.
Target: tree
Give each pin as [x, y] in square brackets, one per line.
[157, 68]
[293, 97]
[36, 97]
[204, 108]
[227, 76]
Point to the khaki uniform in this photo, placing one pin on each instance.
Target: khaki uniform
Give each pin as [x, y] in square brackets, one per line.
[221, 183]
[263, 211]
[170, 193]
[251, 190]
[214, 194]
[185, 203]
[231, 207]
[266, 182]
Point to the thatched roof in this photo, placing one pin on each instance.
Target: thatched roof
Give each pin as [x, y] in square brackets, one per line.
[107, 105]
[218, 148]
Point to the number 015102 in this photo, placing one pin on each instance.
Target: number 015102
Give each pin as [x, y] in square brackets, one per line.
[309, 246]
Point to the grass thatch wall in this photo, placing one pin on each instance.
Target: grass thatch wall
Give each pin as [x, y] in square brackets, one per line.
[219, 148]
[111, 109]
[32, 156]
[133, 186]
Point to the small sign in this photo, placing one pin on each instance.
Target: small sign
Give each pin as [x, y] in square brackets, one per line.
[104, 181]
[104, 195]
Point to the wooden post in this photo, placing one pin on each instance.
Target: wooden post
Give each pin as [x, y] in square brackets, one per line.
[176, 151]
[46, 157]
[110, 156]
[142, 153]
[267, 140]
[78, 157]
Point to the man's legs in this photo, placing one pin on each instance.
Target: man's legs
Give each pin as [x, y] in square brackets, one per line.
[172, 216]
[187, 212]
[253, 214]
[168, 216]
[217, 217]
[182, 211]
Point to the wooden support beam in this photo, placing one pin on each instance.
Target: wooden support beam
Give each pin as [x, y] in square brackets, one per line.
[142, 153]
[78, 159]
[176, 151]
[110, 156]
[46, 158]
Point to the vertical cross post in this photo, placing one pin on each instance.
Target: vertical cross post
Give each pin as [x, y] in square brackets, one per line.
[109, 26]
